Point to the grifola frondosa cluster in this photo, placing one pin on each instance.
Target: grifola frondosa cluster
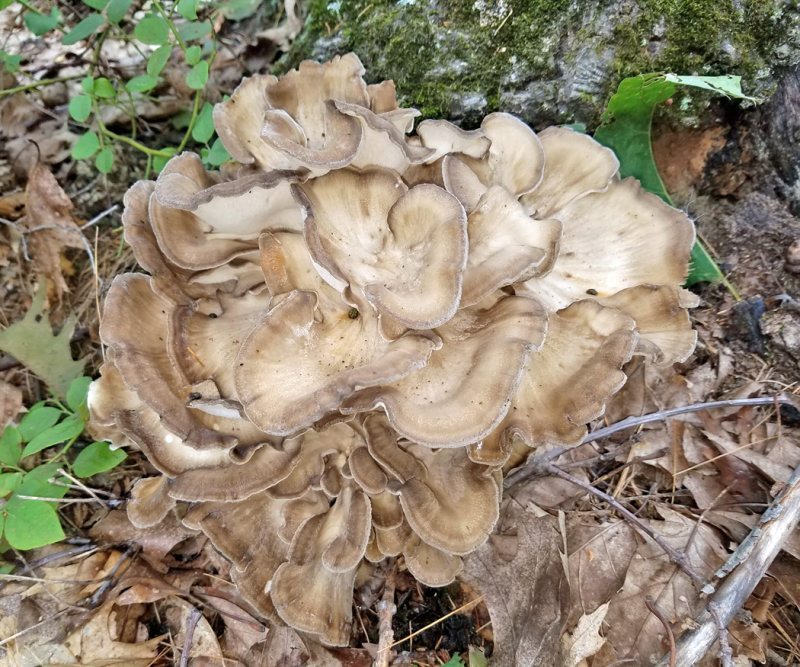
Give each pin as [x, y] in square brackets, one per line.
[346, 336]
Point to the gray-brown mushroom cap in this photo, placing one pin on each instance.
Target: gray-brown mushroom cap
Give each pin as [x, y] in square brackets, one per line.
[291, 122]
[404, 249]
[466, 387]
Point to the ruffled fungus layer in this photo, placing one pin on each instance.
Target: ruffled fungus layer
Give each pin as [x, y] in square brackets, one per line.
[340, 345]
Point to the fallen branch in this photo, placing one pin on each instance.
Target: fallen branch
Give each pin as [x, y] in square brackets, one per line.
[536, 465]
[386, 609]
[746, 566]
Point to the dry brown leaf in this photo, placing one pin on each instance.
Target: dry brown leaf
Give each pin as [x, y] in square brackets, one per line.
[204, 642]
[747, 640]
[155, 542]
[49, 206]
[586, 639]
[242, 631]
[96, 643]
[12, 207]
[632, 631]
[599, 556]
[10, 403]
[527, 596]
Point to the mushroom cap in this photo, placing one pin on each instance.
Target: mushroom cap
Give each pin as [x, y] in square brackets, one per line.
[404, 249]
[466, 387]
[612, 240]
[291, 122]
[313, 590]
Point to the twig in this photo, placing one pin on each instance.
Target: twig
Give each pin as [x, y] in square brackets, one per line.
[538, 463]
[386, 609]
[651, 605]
[438, 620]
[99, 217]
[678, 558]
[725, 652]
[697, 407]
[95, 599]
[191, 624]
[746, 566]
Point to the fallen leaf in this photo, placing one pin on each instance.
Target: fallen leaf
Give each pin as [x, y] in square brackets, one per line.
[599, 556]
[32, 342]
[586, 640]
[12, 207]
[96, 643]
[527, 596]
[48, 206]
[242, 631]
[634, 633]
[10, 403]
[204, 642]
[156, 542]
[747, 640]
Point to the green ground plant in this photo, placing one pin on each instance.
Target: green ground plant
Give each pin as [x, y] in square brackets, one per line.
[626, 126]
[33, 458]
[166, 28]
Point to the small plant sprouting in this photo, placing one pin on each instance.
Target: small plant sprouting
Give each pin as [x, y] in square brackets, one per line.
[167, 28]
[29, 491]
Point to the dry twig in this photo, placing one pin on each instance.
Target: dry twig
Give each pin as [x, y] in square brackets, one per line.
[386, 609]
[743, 571]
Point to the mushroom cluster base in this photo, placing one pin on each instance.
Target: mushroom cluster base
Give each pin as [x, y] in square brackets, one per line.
[345, 337]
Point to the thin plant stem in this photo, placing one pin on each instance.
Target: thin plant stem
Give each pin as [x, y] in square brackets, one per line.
[38, 84]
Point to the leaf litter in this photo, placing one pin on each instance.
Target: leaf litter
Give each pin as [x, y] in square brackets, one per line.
[557, 592]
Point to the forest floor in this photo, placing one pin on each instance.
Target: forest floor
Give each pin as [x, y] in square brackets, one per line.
[566, 578]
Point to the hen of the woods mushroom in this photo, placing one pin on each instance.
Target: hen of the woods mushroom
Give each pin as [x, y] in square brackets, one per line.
[349, 334]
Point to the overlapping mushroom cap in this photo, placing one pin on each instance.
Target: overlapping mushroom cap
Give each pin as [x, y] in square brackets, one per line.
[340, 344]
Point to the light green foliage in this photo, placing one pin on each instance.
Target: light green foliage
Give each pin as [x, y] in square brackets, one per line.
[170, 26]
[29, 492]
[32, 342]
[625, 129]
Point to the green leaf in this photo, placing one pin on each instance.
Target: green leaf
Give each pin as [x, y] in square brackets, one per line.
[159, 161]
[65, 430]
[102, 87]
[104, 160]
[218, 154]
[31, 524]
[37, 421]
[193, 54]
[9, 482]
[117, 9]
[181, 120]
[188, 9]
[10, 449]
[236, 10]
[80, 107]
[77, 392]
[158, 59]
[39, 24]
[455, 661]
[99, 5]
[142, 84]
[87, 84]
[11, 61]
[625, 129]
[97, 457]
[197, 76]
[203, 128]
[36, 483]
[32, 342]
[5, 3]
[194, 30]
[477, 658]
[728, 85]
[4, 569]
[86, 146]
[84, 29]
[152, 30]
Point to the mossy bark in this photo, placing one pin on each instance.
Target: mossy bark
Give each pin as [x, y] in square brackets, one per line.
[549, 61]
